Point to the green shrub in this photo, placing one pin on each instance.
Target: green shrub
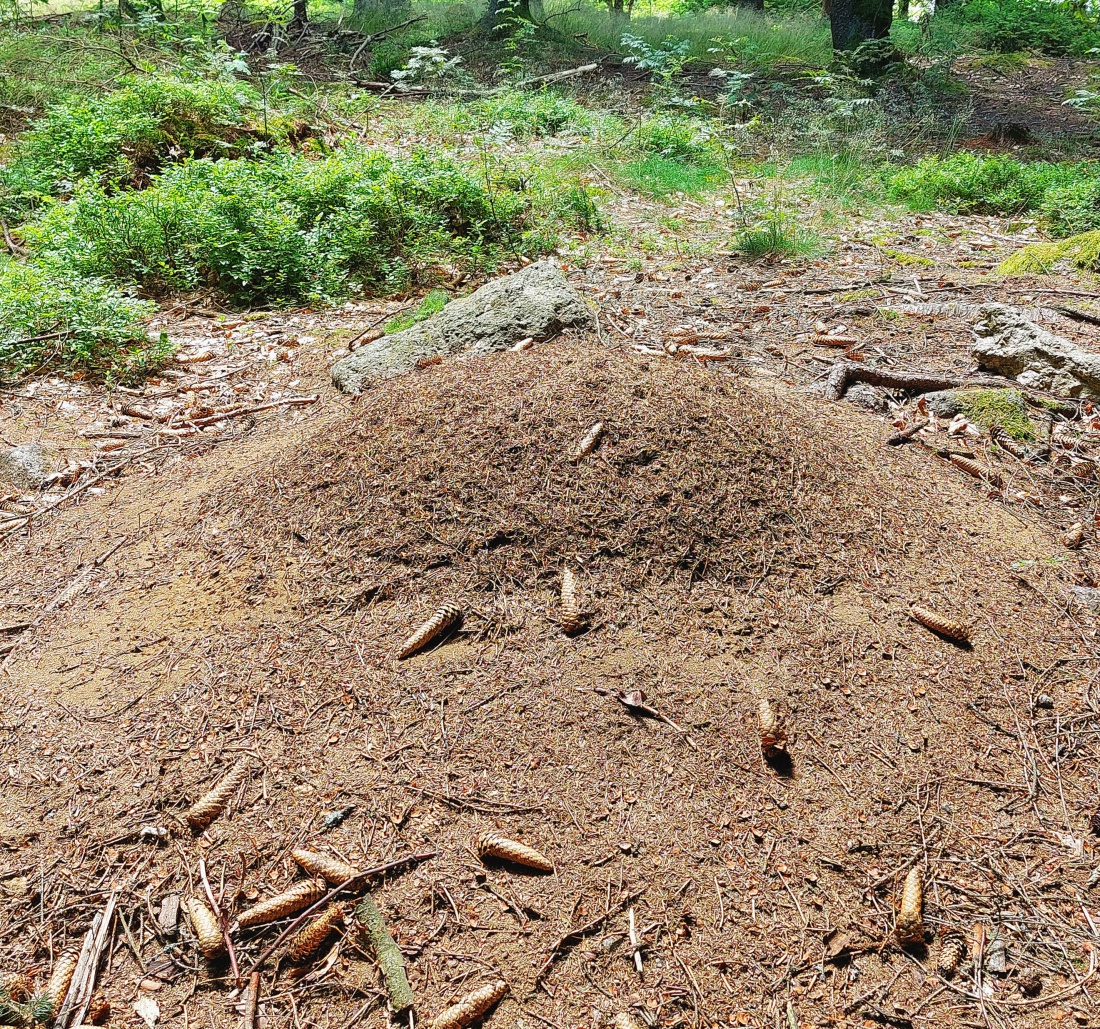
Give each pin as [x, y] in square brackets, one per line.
[778, 235]
[286, 228]
[53, 317]
[125, 135]
[678, 139]
[1070, 210]
[965, 183]
[532, 115]
[1055, 27]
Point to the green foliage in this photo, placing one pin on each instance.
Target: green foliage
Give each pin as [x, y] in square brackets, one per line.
[1003, 407]
[676, 138]
[662, 176]
[1073, 209]
[531, 115]
[50, 316]
[579, 209]
[286, 228]
[122, 135]
[966, 183]
[1055, 27]
[1040, 258]
[433, 303]
[778, 235]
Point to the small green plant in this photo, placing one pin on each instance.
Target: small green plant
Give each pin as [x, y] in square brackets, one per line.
[579, 209]
[51, 317]
[1073, 209]
[676, 138]
[778, 235]
[662, 176]
[1003, 407]
[433, 303]
[1055, 27]
[1083, 251]
[427, 64]
[532, 115]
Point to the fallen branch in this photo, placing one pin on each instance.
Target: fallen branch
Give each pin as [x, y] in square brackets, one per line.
[557, 76]
[576, 935]
[354, 880]
[906, 434]
[388, 953]
[82, 985]
[367, 40]
[845, 373]
[237, 412]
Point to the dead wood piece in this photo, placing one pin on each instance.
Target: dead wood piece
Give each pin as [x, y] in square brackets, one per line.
[559, 76]
[977, 469]
[773, 735]
[251, 1002]
[587, 443]
[331, 869]
[910, 924]
[212, 804]
[492, 844]
[844, 373]
[906, 434]
[945, 626]
[471, 1007]
[570, 610]
[169, 915]
[289, 903]
[208, 933]
[443, 619]
[82, 984]
[388, 953]
[310, 940]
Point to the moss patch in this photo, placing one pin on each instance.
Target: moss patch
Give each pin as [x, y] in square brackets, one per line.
[1003, 407]
[1038, 258]
[901, 257]
[433, 303]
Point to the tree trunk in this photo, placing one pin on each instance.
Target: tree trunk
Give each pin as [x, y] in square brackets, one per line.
[752, 5]
[301, 15]
[619, 10]
[855, 21]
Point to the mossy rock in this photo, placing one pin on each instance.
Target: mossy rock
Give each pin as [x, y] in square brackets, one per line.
[1003, 407]
[1039, 258]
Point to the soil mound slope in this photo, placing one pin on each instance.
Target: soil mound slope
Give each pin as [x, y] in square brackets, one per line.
[729, 544]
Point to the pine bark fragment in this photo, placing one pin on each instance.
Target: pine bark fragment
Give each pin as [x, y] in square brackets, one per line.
[388, 953]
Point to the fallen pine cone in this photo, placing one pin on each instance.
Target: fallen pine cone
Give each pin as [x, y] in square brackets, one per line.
[207, 932]
[1006, 442]
[491, 844]
[210, 805]
[444, 618]
[979, 471]
[471, 1007]
[331, 869]
[1074, 536]
[290, 903]
[14, 988]
[952, 950]
[570, 609]
[99, 1009]
[307, 942]
[940, 623]
[58, 984]
[1094, 823]
[773, 736]
[588, 442]
[910, 925]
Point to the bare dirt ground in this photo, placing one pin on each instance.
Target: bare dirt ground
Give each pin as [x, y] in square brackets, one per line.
[243, 589]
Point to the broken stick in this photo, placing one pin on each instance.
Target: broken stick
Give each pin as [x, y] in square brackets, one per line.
[388, 953]
[576, 935]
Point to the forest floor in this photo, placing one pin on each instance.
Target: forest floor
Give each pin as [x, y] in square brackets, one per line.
[240, 586]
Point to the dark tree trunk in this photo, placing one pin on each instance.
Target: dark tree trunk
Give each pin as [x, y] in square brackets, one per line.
[301, 15]
[855, 21]
[752, 5]
[620, 11]
[521, 10]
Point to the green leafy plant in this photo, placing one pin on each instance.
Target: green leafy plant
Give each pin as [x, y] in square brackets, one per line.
[777, 235]
[531, 115]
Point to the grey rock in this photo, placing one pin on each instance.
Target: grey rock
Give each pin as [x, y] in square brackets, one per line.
[866, 395]
[944, 403]
[26, 466]
[537, 302]
[1086, 596]
[1009, 344]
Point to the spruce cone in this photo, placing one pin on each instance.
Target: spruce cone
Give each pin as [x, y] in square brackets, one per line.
[945, 626]
[331, 869]
[910, 926]
[952, 950]
[208, 934]
[1006, 442]
[290, 903]
[15, 988]
[1074, 536]
[444, 618]
[212, 804]
[588, 442]
[773, 736]
[979, 471]
[99, 1009]
[471, 1007]
[62, 975]
[570, 609]
[310, 939]
[492, 844]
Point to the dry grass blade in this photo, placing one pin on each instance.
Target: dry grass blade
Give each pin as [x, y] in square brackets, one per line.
[212, 804]
[331, 869]
[587, 443]
[570, 609]
[494, 845]
[910, 924]
[773, 735]
[207, 932]
[975, 468]
[471, 1007]
[950, 627]
[443, 619]
[310, 940]
[289, 903]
